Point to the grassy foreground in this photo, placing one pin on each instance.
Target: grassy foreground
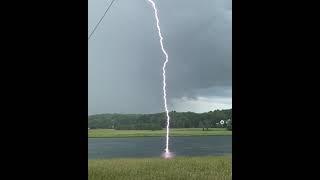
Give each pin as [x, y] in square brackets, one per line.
[179, 168]
[95, 133]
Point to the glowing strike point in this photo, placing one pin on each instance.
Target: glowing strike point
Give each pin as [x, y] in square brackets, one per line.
[167, 153]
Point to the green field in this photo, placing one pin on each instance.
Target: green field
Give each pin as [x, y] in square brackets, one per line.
[210, 167]
[96, 133]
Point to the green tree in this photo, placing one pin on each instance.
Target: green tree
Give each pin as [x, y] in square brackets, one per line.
[201, 125]
[229, 124]
[207, 124]
[151, 121]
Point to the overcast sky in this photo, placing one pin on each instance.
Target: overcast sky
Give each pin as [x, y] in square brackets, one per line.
[125, 59]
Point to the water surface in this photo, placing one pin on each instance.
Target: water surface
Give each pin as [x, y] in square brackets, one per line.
[153, 146]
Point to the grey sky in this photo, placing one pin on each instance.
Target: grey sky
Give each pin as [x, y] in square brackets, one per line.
[125, 58]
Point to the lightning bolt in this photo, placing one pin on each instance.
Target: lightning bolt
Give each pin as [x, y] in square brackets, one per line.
[163, 73]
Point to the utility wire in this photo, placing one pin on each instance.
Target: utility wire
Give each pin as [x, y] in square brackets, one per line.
[100, 20]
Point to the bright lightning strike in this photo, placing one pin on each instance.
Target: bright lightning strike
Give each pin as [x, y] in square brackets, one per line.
[164, 77]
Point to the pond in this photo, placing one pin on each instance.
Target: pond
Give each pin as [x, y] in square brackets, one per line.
[153, 146]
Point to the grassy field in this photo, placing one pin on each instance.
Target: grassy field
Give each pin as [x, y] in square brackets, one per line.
[179, 168]
[96, 133]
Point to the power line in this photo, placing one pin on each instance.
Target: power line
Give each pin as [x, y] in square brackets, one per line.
[100, 20]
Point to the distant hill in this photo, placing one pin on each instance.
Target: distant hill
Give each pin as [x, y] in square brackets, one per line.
[158, 120]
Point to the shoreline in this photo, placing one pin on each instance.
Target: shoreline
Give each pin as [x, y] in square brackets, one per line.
[157, 136]
[178, 132]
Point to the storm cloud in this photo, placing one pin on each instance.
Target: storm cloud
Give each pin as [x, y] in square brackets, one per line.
[125, 58]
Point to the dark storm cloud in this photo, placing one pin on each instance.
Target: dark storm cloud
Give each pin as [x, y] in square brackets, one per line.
[125, 59]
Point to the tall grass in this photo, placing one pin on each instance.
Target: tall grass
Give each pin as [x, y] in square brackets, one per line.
[179, 168]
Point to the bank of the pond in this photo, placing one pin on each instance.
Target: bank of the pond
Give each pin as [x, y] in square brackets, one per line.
[105, 133]
[208, 167]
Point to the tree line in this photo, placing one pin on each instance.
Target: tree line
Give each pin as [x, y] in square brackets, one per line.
[157, 121]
